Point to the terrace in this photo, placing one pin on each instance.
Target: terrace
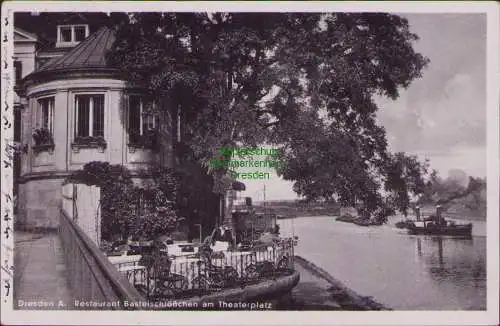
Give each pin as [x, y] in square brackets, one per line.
[145, 266]
[183, 270]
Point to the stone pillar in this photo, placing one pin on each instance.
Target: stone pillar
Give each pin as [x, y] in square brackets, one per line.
[115, 125]
[417, 212]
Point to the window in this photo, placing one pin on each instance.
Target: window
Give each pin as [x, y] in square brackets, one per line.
[68, 35]
[142, 124]
[140, 121]
[43, 134]
[46, 113]
[80, 33]
[18, 68]
[89, 115]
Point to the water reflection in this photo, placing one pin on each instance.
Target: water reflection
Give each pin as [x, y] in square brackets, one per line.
[455, 261]
[402, 271]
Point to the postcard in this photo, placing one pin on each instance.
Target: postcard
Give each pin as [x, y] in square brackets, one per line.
[250, 163]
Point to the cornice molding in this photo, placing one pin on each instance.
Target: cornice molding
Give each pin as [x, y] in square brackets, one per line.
[64, 74]
[51, 175]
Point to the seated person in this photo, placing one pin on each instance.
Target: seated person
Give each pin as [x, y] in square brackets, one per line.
[219, 234]
[227, 236]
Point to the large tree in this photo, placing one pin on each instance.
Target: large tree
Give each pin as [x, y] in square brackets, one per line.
[302, 81]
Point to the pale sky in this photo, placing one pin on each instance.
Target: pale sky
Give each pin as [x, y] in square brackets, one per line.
[441, 116]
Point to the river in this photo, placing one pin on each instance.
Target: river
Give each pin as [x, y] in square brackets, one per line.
[401, 271]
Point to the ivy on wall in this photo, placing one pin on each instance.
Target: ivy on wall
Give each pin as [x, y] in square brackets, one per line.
[122, 202]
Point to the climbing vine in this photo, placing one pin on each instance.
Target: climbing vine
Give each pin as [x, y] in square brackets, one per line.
[128, 209]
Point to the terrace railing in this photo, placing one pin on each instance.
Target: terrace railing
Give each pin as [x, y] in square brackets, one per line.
[91, 274]
[183, 276]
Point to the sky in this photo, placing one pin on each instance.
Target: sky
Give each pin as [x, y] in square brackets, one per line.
[441, 116]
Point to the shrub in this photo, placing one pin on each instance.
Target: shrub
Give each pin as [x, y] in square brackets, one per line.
[42, 136]
[154, 224]
[120, 200]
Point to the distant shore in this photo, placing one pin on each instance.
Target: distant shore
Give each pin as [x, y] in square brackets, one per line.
[356, 220]
[398, 217]
[287, 211]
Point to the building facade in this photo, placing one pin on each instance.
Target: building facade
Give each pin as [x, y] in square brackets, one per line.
[73, 108]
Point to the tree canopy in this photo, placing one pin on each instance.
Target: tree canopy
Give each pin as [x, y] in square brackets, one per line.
[302, 81]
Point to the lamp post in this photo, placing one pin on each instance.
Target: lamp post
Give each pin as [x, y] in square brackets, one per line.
[252, 229]
[199, 226]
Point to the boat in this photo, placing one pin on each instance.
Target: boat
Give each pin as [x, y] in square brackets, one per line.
[404, 224]
[438, 225]
[357, 221]
[430, 228]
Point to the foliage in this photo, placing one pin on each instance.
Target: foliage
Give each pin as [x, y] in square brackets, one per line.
[404, 178]
[116, 200]
[195, 199]
[120, 197]
[106, 246]
[42, 136]
[148, 140]
[154, 224]
[166, 180]
[470, 194]
[302, 81]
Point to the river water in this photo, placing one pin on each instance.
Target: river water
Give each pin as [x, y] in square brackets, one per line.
[402, 271]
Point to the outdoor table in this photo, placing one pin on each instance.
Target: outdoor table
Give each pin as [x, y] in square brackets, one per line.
[129, 266]
[124, 260]
[176, 249]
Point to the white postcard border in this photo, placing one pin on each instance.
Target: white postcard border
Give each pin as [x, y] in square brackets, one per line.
[10, 316]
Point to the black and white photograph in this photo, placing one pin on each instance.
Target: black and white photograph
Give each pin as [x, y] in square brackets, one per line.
[297, 163]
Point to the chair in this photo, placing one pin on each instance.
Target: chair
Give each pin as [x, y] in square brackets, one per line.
[166, 283]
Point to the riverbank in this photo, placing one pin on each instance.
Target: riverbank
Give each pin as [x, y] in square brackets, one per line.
[356, 220]
[392, 219]
[286, 209]
[318, 290]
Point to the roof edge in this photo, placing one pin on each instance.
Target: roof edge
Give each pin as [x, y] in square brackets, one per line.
[29, 35]
[73, 73]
